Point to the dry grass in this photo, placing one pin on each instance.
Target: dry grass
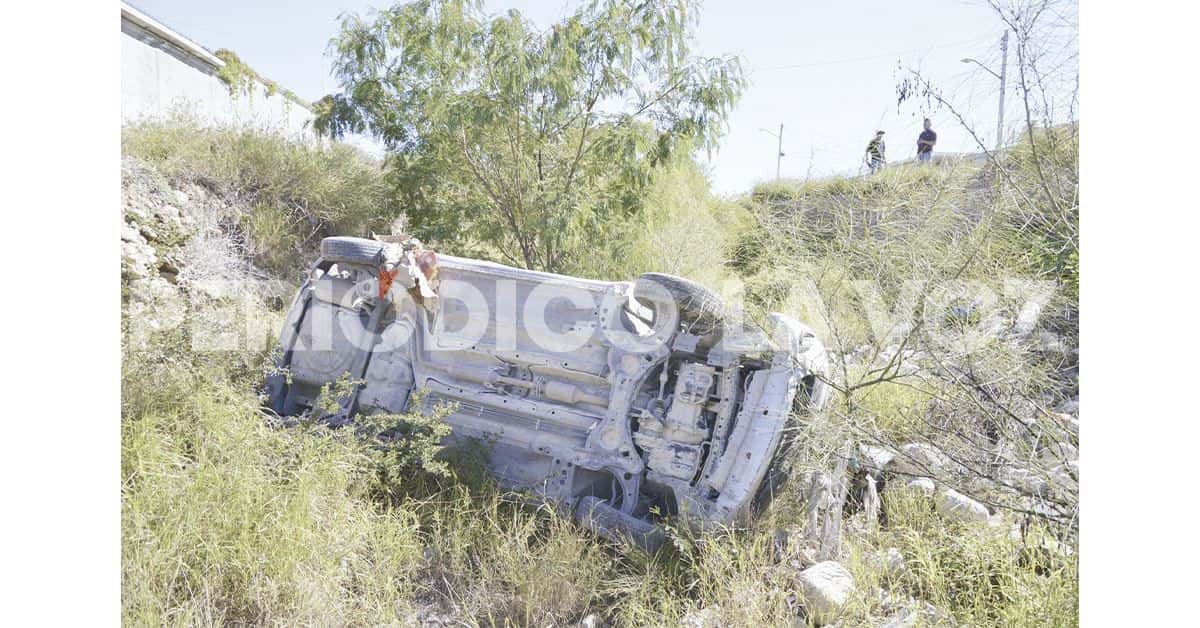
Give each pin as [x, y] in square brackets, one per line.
[289, 194]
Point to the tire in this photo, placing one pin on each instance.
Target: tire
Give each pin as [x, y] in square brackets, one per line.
[276, 393]
[700, 309]
[349, 250]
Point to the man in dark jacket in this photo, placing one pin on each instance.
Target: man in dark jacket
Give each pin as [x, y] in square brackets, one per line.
[925, 142]
[876, 156]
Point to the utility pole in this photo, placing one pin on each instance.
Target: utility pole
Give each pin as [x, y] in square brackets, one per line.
[779, 157]
[1003, 69]
[1003, 84]
[779, 151]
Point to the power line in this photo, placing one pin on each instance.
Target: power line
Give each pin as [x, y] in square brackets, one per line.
[872, 57]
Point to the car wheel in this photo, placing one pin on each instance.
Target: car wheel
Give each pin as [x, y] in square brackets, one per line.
[349, 250]
[276, 390]
[700, 309]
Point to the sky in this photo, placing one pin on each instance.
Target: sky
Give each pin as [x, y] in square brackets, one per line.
[827, 71]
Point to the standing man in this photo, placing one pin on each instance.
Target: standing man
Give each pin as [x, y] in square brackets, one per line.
[875, 156]
[925, 142]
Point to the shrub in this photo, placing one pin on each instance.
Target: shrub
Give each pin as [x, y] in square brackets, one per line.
[682, 229]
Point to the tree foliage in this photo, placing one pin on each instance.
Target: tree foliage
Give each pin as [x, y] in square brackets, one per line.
[524, 143]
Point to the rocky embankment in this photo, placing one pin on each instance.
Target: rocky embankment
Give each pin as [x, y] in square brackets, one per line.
[181, 244]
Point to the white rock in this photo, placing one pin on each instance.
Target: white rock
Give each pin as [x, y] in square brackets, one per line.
[1066, 477]
[826, 587]
[138, 210]
[871, 503]
[893, 560]
[1022, 480]
[873, 458]
[1062, 423]
[138, 258]
[918, 615]
[152, 305]
[1051, 342]
[925, 485]
[168, 213]
[707, 617]
[591, 621]
[919, 459]
[129, 233]
[1022, 328]
[889, 562]
[1059, 453]
[906, 618]
[955, 505]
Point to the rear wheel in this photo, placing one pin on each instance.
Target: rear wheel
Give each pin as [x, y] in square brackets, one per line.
[276, 393]
[700, 309]
[348, 250]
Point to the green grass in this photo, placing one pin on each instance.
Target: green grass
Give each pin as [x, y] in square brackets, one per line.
[228, 520]
[895, 410]
[978, 573]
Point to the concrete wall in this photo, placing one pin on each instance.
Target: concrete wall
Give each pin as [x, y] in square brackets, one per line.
[163, 72]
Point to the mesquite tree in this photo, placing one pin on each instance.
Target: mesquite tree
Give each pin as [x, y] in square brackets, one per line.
[507, 140]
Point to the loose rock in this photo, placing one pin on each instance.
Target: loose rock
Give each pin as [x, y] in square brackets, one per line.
[1022, 480]
[925, 485]
[1059, 453]
[707, 617]
[825, 586]
[889, 562]
[918, 459]
[955, 505]
[916, 615]
[893, 561]
[873, 459]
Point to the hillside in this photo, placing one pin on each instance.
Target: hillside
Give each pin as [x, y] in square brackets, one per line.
[943, 479]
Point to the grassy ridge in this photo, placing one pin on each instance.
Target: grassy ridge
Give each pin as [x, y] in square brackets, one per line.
[292, 193]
